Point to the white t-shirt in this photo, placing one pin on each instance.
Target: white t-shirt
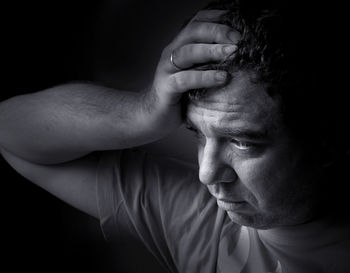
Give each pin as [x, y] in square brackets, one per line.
[160, 202]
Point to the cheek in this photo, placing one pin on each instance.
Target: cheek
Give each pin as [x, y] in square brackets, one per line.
[266, 178]
[253, 175]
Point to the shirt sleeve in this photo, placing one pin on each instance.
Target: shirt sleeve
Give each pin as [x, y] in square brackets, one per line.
[150, 198]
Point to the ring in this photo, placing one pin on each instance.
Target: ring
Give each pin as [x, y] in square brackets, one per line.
[172, 61]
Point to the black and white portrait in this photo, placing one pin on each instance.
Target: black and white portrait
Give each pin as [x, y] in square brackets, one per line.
[175, 136]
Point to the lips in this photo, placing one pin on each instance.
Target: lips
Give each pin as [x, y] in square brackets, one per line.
[226, 199]
[229, 200]
[230, 205]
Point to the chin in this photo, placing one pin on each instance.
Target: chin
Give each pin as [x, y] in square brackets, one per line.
[268, 221]
[254, 221]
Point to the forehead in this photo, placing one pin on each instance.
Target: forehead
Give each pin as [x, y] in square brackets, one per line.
[242, 104]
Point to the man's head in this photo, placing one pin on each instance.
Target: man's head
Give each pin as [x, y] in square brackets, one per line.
[262, 143]
[247, 158]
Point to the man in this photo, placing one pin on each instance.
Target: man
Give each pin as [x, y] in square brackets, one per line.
[264, 167]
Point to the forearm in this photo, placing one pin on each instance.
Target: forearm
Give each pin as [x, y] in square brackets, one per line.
[69, 121]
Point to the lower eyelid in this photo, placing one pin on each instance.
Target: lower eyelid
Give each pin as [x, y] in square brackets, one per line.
[237, 142]
[241, 148]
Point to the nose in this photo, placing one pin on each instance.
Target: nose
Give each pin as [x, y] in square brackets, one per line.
[213, 167]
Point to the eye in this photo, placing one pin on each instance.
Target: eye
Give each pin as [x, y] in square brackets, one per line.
[242, 145]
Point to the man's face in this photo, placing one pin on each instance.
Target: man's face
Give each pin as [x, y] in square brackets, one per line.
[247, 158]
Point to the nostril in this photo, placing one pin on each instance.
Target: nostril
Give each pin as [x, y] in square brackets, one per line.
[229, 175]
[210, 176]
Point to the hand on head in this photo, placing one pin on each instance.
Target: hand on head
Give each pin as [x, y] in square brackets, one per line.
[203, 40]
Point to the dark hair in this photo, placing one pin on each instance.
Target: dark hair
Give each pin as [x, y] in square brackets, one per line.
[290, 46]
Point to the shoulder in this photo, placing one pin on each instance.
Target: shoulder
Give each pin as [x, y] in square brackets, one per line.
[144, 182]
[137, 166]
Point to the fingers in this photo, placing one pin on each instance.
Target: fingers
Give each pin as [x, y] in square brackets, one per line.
[201, 41]
[192, 54]
[206, 32]
[209, 15]
[204, 40]
[186, 80]
[205, 27]
[170, 89]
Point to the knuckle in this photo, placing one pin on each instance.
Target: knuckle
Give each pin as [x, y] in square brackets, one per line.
[189, 50]
[207, 30]
[216, 51]
[209, 78]
[220, 32]
[211, 29]
[179, 82]
[205, 76]
[212, 50]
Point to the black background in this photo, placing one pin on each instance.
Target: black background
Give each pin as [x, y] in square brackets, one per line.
[45, 43]
[113, 42]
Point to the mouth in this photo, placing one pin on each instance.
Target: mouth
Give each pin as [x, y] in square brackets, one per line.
[230, 205]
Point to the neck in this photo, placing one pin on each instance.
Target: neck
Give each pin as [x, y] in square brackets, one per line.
[315, 232]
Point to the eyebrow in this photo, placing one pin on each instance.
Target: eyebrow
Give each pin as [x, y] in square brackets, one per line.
[244, 133]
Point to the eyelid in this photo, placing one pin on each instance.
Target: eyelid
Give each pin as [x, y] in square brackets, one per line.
[237, 142]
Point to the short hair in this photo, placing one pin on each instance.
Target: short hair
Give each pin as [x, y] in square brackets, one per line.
[288, 45]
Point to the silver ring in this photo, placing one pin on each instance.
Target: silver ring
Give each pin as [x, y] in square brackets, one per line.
[173, 63]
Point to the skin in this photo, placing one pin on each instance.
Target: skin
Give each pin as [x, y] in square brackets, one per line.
[48, 136]
[248, 159]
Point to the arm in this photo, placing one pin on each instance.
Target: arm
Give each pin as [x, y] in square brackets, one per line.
[47, 136]
[69, 121]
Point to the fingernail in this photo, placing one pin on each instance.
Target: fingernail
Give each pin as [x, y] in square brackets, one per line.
[221, 76]
[229, 49]
[233, 36]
